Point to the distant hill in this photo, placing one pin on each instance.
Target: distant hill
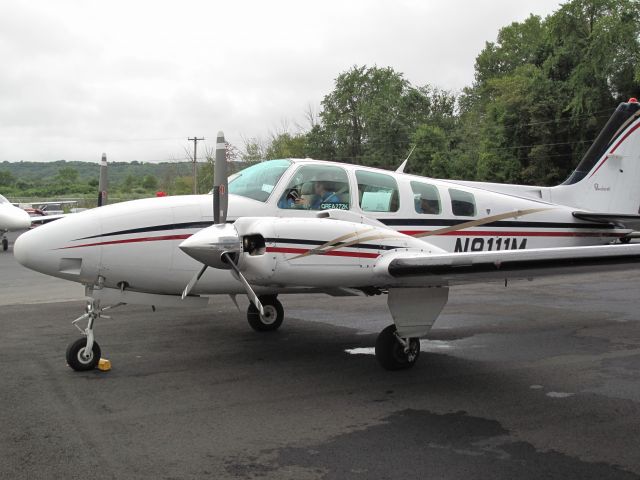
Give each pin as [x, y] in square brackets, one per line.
[118, 171]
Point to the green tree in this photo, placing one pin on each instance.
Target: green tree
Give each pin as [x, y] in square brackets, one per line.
[67, 175]
[253, 150]
[130, 182]
[545, 88]
[372, 112]
[149, 182]
[286, 145]
[429, 155]
[6, 179]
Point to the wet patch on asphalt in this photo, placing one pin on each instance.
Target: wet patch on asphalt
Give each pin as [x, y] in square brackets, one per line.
[422, 444]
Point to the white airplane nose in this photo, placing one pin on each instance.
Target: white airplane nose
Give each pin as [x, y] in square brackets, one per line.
[18, 220]
[29, 248]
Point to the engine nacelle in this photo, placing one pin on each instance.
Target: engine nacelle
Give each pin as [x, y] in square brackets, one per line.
[319, 252]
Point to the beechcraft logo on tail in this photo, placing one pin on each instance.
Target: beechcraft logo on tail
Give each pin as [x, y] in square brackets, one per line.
[598, 188]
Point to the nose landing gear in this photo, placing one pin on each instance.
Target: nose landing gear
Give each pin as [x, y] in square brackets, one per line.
[84, 353]
[5, 241]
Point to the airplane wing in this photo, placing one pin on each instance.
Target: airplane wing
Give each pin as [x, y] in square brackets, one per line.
[620, 219]
[61, 202]
[41, 220]
[474, 267]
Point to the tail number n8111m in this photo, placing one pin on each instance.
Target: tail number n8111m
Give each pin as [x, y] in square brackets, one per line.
[479, 244]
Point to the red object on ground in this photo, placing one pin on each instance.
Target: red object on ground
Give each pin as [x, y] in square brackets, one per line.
[161, 194]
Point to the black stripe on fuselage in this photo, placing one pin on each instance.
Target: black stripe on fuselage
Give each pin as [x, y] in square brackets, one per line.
[153, 228]
[435, 222]
[405, 222]
[298, 241]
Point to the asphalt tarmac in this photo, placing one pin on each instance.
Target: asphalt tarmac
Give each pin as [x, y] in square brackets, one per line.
[537, 380]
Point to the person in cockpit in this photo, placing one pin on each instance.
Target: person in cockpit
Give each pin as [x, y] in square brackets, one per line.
[323, 195]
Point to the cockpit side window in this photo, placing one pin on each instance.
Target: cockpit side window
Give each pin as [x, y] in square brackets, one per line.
[258, 181]
[463, 203]
[317, 187]
[377, 192]
[426, 198]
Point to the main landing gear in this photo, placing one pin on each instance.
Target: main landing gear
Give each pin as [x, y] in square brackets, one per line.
[273, 314]
[394, 352]
[84, 353]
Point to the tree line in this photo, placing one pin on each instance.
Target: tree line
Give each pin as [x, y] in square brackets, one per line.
[126, 179]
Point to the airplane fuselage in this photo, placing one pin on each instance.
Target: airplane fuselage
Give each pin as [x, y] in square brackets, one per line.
[134, 245]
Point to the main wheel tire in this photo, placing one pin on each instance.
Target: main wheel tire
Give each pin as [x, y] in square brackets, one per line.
[274, 315]
[76, 358]
[390, 352]
[625, 240]
[5, 244]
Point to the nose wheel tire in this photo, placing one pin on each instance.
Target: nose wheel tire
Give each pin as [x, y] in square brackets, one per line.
[78, 359]
[392, 354]
[273, 315]
[5, 244]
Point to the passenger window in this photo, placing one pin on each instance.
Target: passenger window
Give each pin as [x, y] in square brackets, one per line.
[426, 198]
[317, 187]
[377, 192]
[463, 203]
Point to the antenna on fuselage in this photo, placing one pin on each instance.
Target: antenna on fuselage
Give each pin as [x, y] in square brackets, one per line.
[400, 169]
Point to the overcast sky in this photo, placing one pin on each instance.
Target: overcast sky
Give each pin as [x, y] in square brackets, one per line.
[135, 79]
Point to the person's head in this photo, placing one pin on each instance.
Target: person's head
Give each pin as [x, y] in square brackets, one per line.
[320, 187]
[426, 206]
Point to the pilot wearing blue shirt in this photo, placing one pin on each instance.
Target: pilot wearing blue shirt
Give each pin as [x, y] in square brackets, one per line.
[323, 196]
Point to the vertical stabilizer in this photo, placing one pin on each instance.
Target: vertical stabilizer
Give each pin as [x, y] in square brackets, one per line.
[608, 177]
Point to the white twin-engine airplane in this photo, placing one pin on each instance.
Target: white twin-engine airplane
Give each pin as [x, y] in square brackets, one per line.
[12, 218]
[300, 226]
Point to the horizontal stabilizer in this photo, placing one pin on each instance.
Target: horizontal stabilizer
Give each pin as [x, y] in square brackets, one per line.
[623, 220]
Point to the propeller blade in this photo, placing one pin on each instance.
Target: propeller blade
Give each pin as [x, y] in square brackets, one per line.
[193, 281]
[220, 184]
[253, 298]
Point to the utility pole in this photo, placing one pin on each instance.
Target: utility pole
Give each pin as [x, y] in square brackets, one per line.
[103, 183]
[195, 141]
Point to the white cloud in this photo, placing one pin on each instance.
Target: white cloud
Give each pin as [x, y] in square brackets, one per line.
[136, 78]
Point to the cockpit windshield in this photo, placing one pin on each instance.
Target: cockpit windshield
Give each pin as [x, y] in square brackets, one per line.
[257, 181]
[3, 200]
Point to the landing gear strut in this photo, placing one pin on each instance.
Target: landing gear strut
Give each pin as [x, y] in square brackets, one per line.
[394, 352]
[84, 353]
[273, 314]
